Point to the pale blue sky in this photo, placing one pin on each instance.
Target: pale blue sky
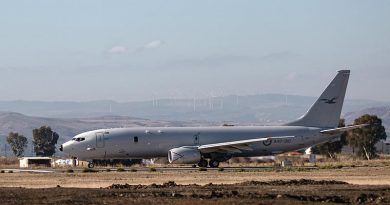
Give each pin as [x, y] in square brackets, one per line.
[135, 50]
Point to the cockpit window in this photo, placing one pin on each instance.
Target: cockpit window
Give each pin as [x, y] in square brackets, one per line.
[78, 139]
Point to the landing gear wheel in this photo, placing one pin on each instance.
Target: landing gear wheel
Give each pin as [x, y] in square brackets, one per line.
[91, 165]
[202, 163]
[213, 163]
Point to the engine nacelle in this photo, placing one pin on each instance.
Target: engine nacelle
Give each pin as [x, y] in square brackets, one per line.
[184, 155]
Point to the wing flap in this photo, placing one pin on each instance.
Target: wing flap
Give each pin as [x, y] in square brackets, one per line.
[235, 146]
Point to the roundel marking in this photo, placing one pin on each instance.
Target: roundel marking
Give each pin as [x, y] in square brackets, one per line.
[267, 142]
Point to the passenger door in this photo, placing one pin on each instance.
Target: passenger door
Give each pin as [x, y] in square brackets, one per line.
[100, 140]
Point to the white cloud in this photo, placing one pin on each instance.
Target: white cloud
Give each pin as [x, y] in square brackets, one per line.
[150, 45]
[118, 50]
[153, 44]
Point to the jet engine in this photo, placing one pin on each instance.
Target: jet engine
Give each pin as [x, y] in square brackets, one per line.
[184, 155]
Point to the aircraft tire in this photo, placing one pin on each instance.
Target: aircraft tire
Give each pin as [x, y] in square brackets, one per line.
[202, 163]
[213, 163]
[91, 165]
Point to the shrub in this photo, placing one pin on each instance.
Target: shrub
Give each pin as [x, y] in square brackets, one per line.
[10, 171]
[2, 171]
[202, 169]
[221, 169]
[330, 166]
[9, 161]
[69, 171]
[120, 169]
[152, 169]
[108, 170]
[88, 170]
[133, 170]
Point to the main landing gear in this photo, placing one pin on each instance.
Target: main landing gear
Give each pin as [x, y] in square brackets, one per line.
[212, 163]
[202, 163]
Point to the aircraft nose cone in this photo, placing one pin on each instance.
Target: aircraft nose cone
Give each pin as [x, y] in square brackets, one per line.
[61, 148]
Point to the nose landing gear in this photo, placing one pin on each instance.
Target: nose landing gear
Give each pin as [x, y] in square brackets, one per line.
[91, 165]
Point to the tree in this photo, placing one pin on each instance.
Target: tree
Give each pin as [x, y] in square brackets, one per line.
[330, 149]
[44, 141]
[363, 140]
[17, 142]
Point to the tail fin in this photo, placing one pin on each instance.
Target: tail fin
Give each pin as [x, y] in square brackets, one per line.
[326, 111]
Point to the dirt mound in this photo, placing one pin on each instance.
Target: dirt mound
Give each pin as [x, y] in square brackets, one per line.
[120, 186]
[291, 182]
[139, 186]
[247, 183]
[330, 192]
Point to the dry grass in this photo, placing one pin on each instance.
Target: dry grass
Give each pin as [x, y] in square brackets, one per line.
[354, 175]
[9, 162]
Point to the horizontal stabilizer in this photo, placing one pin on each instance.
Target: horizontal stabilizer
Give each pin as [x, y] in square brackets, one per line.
[342, 129]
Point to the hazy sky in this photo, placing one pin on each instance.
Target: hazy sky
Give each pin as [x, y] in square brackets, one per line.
[79, 50]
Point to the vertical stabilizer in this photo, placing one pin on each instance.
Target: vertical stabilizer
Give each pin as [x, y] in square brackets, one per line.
[326, 111]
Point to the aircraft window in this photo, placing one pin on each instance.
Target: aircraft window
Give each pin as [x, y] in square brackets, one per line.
[79, 139]
[135, 139]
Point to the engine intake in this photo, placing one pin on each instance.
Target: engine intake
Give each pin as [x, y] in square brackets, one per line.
[184, 155]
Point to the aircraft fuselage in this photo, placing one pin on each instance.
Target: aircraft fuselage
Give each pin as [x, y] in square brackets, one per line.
[154, 142]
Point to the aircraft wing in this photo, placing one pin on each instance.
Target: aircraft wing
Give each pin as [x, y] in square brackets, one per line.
[234, 146]
[342, 129]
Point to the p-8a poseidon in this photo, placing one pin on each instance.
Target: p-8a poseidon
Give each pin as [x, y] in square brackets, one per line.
[208, 146]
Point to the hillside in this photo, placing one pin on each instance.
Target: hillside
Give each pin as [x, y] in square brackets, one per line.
[263, 109]
[381, 112]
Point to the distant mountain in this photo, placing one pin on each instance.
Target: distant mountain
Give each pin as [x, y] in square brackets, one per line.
[261, 109]
[248, 110]
[69, 127]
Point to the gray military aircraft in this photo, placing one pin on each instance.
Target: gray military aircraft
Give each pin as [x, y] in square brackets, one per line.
[208, 146]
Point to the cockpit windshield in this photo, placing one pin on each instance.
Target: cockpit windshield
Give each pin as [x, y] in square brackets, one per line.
[78, 139]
